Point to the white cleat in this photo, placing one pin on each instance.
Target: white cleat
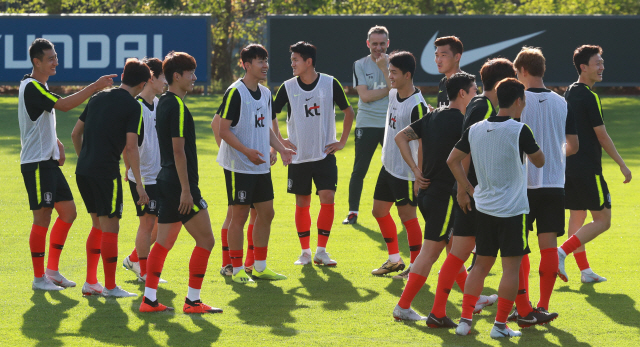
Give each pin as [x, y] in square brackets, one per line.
[464, 327]
[484, 301]
[44, 283]
[592, 278]
[303, 259]
[498, 333]
[561, 271]
[323, 258]
[131, 265]
[58, 279]
[92, 289]
[400, 314]
[143, 279]
[117, 292]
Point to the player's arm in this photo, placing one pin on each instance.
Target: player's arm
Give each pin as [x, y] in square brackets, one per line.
[76, 136]
[180, 158]
[134, 130]
[456, 164]
[610, 148]
[383, 65]
[127, 165]
[280, 101]
[340, 98]
[530, 147]
[215, 126]
[285, 153]
[571, 133]
[359, 81]
[230, 138]
[74, 100]
[63, 156]
[402, 139]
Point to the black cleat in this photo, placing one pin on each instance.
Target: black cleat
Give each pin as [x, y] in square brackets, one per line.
[513, 317]
[539, 316]
[444, 322]
[352, 218]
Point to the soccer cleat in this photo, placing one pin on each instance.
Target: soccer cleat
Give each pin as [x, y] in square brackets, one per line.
[589, 278]
[143, 279]
[404, 275]
[45, 284]
[539, 316]
[473, 262]
[388, 267]
[241, 277]
[323, 258]
[513, 317]
[561, 272]
[303, 259]
[498, 333]
[352, 218]
[198, 307]
[117, 292]
[400, 314]
[444, 322]
[153, 306]
[227, 270]
[464, 327]
[92, 289]
[248, 269]
[131, 265]
[61, 281]
[484, 301]
[268, 274]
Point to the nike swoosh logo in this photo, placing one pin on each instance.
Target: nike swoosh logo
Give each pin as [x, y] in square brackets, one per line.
[437, 321]
[305, 99]
[541, 101]
[468, 57]
[296, 95]
[490, 130]
[258, 108]
[369, 74]
[534, 320]
[503, 334]
[398, 200]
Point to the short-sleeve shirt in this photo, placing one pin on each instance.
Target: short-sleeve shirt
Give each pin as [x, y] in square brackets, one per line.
[370, 114]
[173, 119]
[443, 97]
[587, 111]
[526, 140]
[231, 110]
[339, 96]
[479, 109]
[439, 131]
[38, 100]
[108, 117]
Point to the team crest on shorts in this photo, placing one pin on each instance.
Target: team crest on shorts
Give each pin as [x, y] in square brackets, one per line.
[358, 133]
[152, 205]
[48, 197]
[242, 195]
[289, 184]
[203, 203]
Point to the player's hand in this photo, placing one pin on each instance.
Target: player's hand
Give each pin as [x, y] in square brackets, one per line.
[383, 62]
[63, 158]
[464, 200]
[431, 108]
[289, 144]
[104, 81]
[273, 156]
[255, 156]
[126, 174]
[624, 169]
[186, 202]
[334, 147]
[421, 182]
[144, 198]
[287, 156]
[416, 189]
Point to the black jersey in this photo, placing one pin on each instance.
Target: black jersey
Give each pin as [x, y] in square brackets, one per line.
[108, 117]
[443, 97]
[230, 109]
[173, 119]
[282, 99]
[587, 111]
[479, 108]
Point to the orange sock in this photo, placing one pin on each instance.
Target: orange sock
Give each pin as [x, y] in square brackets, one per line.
[581, 260]
[468, 306]
[571, 244]
[504, 307]
[94, 243]
[143, 266]
[236, 257]
[155, 263]
[548, 274]
[414, 236]
[325, 221]
[303, 225]
[109, 251]
[58, 237]
[260, 253]
[522, 300]
[37, 245]
[226, 260]
[414, 284]
[198, 267]
[389, 233]
[250, 257]
[445, 282]
[134, 256]
[461, 279]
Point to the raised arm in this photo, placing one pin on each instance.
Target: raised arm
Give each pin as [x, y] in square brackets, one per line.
[74, 100]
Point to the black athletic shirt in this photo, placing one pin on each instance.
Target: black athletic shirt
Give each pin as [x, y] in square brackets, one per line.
[36, 101]
[439, 131]
[108, 117]
[443, 98]
[233, 111]
[281, 99]
[173, 119]
[479, 109]
[587, 110]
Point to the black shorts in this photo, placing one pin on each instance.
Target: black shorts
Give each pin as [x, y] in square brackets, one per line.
[393, 189]
[102, 196]
[324, 174]
[547, 210]
[437, 210]
[45, 184]
[248, 189]
[152, 206]
[508, 235]
[464, 224]
[169, 202]
[586, 192]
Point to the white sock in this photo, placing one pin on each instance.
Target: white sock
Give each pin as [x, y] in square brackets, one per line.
[237, 269]
[394, 258]
[150, 293]
[587, 271]
[38, 279]
[356, 212]
[260, 265]
[561, 251]
[321, 250]
[308, 251]
[193, 294]
[52, 273]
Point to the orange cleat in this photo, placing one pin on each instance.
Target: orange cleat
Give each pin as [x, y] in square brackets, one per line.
[153, 306]
[198, 307]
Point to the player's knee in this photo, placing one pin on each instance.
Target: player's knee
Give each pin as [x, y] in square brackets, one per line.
[268, 214]
[379, 213]
[206, 241]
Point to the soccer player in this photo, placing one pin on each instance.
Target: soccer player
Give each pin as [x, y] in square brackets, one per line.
[246, 139]
[311, 126]
[585, 187]
[179, 199]
[111, 122]
[149, 169]
[448, 53]
[497, 145]
[463, 238]
[41, 156]
[371, 80]
[439, 130]
[552, 122]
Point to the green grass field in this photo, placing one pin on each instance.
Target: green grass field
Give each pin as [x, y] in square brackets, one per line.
[345, 305]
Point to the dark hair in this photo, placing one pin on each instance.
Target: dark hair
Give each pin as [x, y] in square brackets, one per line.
[253, 51]
[306, 51]
[583, 54]
[135, 72]
[403, 60]
[531, 60]
[495, 70]
[155, 65]
[459, 80]
[509, 90]
[454, 43]
[177, 62]
[378, 29]
[37, 48]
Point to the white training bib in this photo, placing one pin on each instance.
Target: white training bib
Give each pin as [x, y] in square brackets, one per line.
[150, 148]
[38, 139]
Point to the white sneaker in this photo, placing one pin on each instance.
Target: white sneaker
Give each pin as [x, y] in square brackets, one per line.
[323, 258]
[498, 333]
[463, 328]
[303, 259]
[117, 292]
[591, 277]
[58, 279]
[92, 289]
[131, 265]
[561, 271]
[484, 301]
[400, 314]
[143, 279]
[44, 283]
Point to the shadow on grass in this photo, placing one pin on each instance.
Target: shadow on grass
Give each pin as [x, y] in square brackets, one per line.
[335, 292]
[374, 235]
[42, 320]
